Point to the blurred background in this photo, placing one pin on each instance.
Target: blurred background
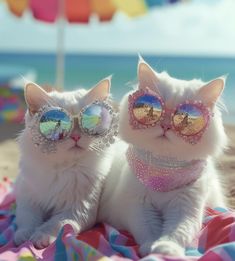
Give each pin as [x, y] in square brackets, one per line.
[73, 43]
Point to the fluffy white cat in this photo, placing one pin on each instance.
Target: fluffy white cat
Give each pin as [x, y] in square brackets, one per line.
[53, 189]
[165, 221]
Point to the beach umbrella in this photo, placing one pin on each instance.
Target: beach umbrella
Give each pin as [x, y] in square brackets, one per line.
[79, 11]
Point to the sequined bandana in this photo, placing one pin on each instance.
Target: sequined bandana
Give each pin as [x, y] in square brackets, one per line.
[163, 173]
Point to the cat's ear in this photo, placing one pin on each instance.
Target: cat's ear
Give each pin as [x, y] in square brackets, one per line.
[35, 97]
[100, 91]
[146, 76]
[210, 92]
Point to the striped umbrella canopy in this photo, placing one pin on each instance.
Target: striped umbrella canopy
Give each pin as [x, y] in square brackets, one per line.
[79, 11]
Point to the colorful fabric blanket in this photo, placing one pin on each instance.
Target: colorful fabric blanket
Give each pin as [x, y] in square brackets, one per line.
[215, 242]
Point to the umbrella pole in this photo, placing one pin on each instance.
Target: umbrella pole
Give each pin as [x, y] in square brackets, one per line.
[60, 58]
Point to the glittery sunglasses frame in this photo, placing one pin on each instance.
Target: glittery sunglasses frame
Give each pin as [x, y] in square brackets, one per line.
[106, 138]
[191, 138]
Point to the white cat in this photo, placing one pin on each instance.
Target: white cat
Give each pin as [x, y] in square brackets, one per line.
[53, 189]
[164, 213]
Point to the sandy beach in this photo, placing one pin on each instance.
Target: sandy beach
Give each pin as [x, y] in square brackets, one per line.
[9, 156]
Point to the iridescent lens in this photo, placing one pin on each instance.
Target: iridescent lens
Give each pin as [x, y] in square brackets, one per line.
[147, 109]
[55, 125]
[189, 119]
[96, 119]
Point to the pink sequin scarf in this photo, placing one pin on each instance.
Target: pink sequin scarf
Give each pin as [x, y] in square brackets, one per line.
[163, 173]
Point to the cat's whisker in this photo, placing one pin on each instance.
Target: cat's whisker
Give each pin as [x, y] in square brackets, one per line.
[92, 148]
[221, 105]
[51, 103]
[95, 148]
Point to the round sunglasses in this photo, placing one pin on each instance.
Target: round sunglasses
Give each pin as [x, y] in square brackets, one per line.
[54, 124]
[189, 119]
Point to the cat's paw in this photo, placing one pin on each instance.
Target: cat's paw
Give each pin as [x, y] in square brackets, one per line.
[41, 239]
[145, 249]
[22, 235]
[168, 248]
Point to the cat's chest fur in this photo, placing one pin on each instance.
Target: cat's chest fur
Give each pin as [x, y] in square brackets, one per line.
[61, 185]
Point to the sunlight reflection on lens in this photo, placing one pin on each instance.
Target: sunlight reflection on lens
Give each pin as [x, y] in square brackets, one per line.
[55, 125]
[147, 109]
[96, 119]
[189, 119]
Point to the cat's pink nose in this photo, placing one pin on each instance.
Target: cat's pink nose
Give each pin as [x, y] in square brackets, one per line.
[75, 137]
[166, 127]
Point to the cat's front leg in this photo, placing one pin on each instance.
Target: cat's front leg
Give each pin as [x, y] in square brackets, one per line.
[48, 231]
[28, 218]
[145, 224]
[182, 221]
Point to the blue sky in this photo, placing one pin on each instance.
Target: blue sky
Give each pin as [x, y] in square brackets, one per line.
[200, 27]
[94, 110]
[149, 100]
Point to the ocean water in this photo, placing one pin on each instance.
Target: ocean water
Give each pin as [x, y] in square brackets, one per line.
[86, 70]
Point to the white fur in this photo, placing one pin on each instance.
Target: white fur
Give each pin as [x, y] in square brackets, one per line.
[58, 188]
[164, 222]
